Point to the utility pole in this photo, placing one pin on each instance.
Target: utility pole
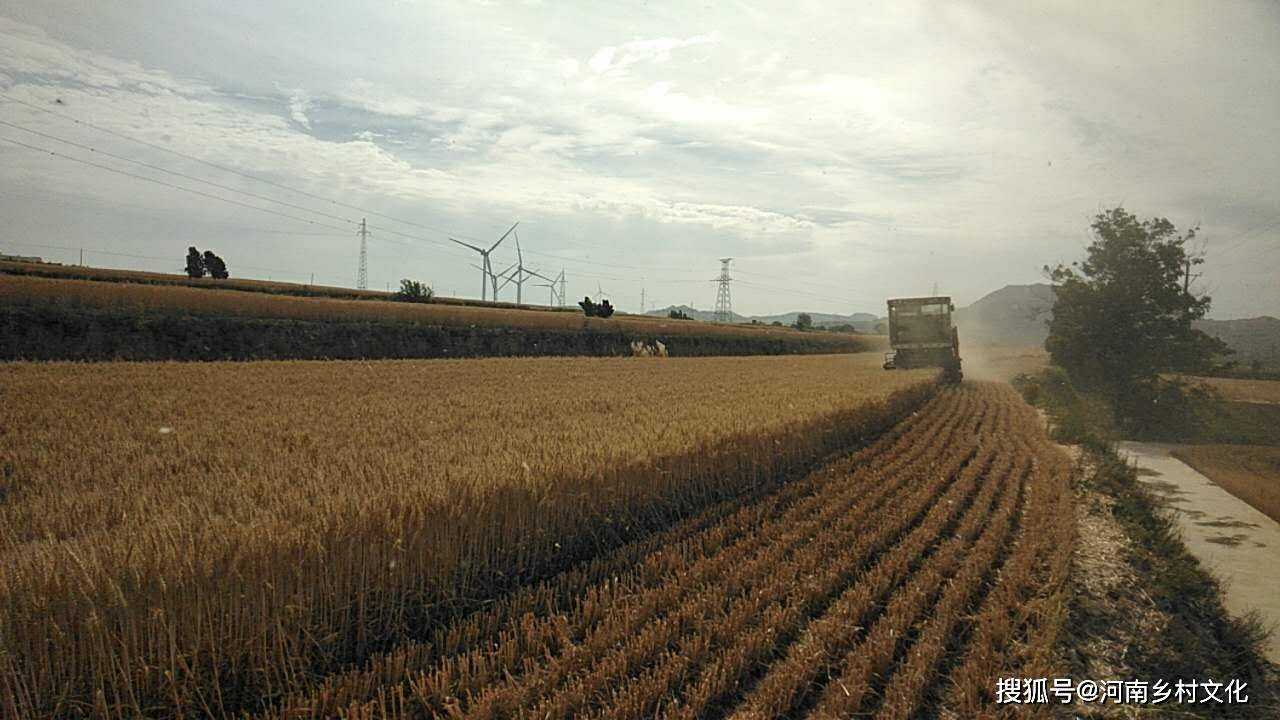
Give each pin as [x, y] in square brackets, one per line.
[362, 273]
[81, 257]
[1193, 258]
[313, 278]
[724, 305]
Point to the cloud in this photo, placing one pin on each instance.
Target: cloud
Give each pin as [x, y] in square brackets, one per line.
[911, 141]
[655, 50]
[29, 52]
[299, 105]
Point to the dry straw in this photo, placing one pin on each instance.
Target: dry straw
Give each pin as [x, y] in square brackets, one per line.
[205, 539]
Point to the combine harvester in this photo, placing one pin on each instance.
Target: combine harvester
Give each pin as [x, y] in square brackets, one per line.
[921, 335]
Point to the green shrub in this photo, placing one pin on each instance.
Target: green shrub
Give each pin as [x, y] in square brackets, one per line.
[414, 291]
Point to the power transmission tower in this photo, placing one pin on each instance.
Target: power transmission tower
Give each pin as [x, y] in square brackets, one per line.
[362, 274]
[724, 304]
[562, 288]
[641, 301]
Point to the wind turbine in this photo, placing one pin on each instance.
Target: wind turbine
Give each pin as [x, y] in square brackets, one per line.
[551, 301]
[486, 272]
[599, 293]
[551, 284]
[521, 272]
[505, 280]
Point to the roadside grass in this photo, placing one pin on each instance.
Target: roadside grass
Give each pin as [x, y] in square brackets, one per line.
[1203, 415]
[1196, 638]
[1200, 639]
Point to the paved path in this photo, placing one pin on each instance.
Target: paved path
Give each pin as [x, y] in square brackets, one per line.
[1230, 537]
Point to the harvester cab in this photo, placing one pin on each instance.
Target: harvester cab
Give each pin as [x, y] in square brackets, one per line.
[921, 335]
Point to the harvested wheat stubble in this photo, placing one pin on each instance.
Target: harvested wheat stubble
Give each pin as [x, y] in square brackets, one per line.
[899, 582]
[530, 621]
[210, 539]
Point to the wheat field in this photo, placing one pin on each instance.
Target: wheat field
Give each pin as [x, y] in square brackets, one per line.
[897, 582]
[201, 539]
[1241, 390]
[1250, 472]
[30, 291]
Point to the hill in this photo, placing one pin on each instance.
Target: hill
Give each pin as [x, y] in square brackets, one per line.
[864, 322]
[1012, 315]
[1252, 338]
[1018, 315]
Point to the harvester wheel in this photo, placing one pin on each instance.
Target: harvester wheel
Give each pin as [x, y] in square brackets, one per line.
[951, 372]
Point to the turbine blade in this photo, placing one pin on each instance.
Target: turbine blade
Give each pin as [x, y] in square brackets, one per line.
[473, 247]
[504, 236]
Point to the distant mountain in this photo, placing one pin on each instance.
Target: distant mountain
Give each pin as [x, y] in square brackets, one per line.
[865, 322]
[1252, 338]
[694, 313]
[1018, 315]
[1012, 315]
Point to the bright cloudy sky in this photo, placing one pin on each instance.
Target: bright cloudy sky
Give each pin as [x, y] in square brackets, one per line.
[842, 153]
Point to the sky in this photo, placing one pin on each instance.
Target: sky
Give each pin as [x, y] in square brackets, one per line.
[840, 153]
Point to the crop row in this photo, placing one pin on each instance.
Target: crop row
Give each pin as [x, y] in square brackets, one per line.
[586, 614]
[894, 582]
[212, 539]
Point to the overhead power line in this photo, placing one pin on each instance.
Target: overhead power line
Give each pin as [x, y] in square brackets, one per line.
[440, 245]
[272, 183]
[122, 208]
[166, 184]
[135, 256]
[224, 168]
[175, 173]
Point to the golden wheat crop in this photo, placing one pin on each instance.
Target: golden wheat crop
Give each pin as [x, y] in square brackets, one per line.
[78, 272]
[1241, 390]
[900, 581]
[204, 539]
[160, 298]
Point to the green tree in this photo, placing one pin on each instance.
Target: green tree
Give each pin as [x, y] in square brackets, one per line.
[414, 291]
[195, 263]
[215, 265]
[1122, 316]
[803, 322]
